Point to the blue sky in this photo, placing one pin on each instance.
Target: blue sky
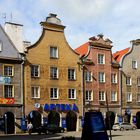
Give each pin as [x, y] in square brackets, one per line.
[118, 20]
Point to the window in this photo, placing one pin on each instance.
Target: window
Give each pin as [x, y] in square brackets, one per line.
[71, 93]
[138, 81]
[102, 96]
[54, 93]
[134, 64]
[54, 73]
[8, 70]
[8, 91]
[138, 97]
[71, 74]
[35, 92]
[101, 77]
[34, 71]
[129, 97]
[101, 59]
[88, 76]
[114, 78]
[89, 95]
[53, 52]
[128, 80]
[0, 45]
[113, 96]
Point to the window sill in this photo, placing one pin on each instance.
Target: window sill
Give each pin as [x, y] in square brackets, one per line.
[129, 101]
[115, 83]
[35, 77]
[88, 81]
[71, 79]
[101, 82]
[54, 98]
[53, 57]
[128, 85]
[35, 97]
[54, 78]
[72, 98]
[114, 101]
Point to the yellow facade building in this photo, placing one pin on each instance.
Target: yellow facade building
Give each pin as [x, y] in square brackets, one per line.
[52, 74]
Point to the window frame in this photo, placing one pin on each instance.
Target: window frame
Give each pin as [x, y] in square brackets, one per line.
[53, 52]
[101, 58]
[12, 93]
[88, 76]
[101, 77]
[102, 95]
[114, 78]
[36, 88]
[34, 70]
[71, 94]
[134, 64]
[114, 97]
[8, 73]
[53, 72]
[130, 97]
[138, 98]
[54, 93]
[71, 74]
[89, 95]
[138, 81]
[128, 81]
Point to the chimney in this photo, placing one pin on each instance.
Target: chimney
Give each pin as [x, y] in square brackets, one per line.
[15, 33]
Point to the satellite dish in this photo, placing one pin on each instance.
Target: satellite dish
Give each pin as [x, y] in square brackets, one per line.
[37, 105]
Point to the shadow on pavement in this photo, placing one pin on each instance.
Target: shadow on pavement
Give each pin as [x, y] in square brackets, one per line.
[31, 137]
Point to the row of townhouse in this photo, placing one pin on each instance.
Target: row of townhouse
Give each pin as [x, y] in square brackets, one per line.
[50, 75]
[129, 60]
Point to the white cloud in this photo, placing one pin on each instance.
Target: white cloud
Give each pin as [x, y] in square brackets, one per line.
[118, 20]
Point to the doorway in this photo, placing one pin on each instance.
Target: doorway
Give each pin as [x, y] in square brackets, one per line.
[9, 123]
[71, 121]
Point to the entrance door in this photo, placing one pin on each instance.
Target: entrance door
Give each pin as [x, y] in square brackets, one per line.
[71, 121]
[9, 123]
[138, 119]
[35, 118]
[53, 117]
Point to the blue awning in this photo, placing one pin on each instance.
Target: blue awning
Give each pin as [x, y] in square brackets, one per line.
[52, 106]
[58, 107]
[46, 107]
[74, 107]
[68, 107]
[62, 108]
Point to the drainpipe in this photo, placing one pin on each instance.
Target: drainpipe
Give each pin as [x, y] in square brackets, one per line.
[22, 85]
[120, 85]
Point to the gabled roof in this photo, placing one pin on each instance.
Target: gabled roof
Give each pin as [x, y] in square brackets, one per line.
[83, 49]
[96, 41]
[119, 54]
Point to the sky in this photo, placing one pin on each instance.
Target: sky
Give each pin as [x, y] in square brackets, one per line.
[118, 20]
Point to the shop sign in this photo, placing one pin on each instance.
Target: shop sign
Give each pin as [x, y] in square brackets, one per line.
[7, 101]
[5, 80]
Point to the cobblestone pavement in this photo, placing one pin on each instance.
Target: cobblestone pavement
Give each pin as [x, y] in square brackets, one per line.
[116, 135]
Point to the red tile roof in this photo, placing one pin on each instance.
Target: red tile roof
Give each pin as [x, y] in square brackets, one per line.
[82, 49]
[119, 54]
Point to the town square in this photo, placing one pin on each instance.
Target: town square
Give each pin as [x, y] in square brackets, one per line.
[69, 72]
